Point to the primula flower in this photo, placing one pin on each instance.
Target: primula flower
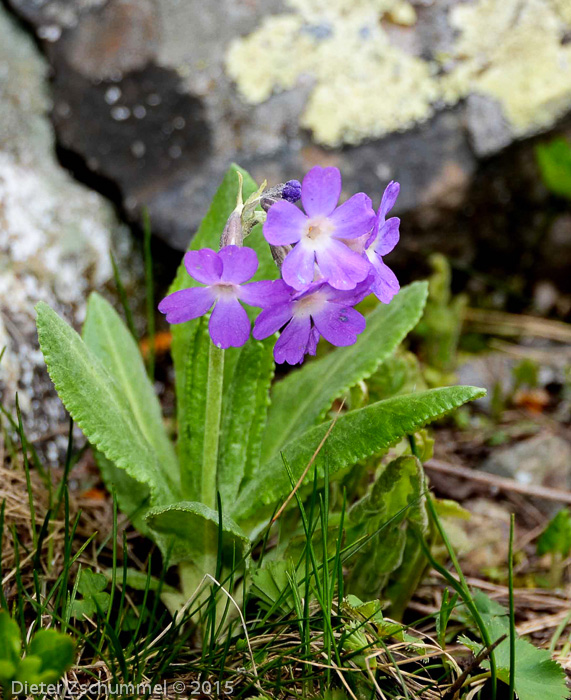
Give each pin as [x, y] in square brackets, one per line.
[320, 310]
[224, 273]
[318, 234]
[383, 239]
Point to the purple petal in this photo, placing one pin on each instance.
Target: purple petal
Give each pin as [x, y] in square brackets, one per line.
[351, 297]
[285, 223]
[271, 320]
[388, 236]
[265, 293]
[320, 191]
[314, 337]
[204, 265]
[298, 269]
[339, 324]
[385, 285]
[353, 218]
[238, 264]
[229, 325]
[341, 266]
[389, 198]
[292, 343]
[187, 304]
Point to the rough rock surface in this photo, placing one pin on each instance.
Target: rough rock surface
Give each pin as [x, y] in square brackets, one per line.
[55, 235]
[157, 97]
[543, 460]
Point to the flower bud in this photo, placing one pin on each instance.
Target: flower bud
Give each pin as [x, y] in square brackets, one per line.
[279, 253]
[290, 191]
[233, 233]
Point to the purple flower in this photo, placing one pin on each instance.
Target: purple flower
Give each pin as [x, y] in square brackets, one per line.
[224, 273]
[318, 311]
[319, 233]
[382, 240]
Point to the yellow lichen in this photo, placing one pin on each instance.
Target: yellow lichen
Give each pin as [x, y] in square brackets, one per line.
[362, 85]
[513, 52]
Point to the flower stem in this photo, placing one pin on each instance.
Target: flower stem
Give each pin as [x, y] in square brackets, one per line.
[214, 389]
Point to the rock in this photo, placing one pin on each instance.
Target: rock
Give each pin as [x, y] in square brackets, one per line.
[543, 460]
[114, 39]
[55, 235]
[420, 92]
[492, 371]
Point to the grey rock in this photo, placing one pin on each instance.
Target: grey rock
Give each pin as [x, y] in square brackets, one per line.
[110, 56]
[490, 371]
[543, 460]
[487, 125]
[55, 235]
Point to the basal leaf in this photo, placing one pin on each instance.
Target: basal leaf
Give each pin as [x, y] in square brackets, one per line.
[245, 410]
[10, 643]
[556, 538]
[396, 496]
[97, 403]
[273, 582]
[356, 436]
[133, 497]
[94, 599]
[55, 652]
[194, 528]
[305, 395]
[109, 339]
[208, 235]
[191, 421]
[537, 675]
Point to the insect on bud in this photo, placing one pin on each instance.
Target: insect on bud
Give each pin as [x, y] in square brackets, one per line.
[290, 191]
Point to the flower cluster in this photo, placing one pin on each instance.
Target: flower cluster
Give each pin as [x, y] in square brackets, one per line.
[331, 258]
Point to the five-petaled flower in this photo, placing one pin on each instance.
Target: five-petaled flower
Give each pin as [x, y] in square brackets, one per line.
[319, 235]
[334, 260]
[320, 310]
[225, 274]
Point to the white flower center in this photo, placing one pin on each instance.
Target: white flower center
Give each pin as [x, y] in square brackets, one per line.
[318, 230]
[309, 305]
[226, 290]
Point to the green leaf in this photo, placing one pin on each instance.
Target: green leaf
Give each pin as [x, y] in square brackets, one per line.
[556, 538]
[132, 496]
[396, 496]
[208, 236]
[194, 529]
[191, 421]
[95, 600]
[304, 396]
[356, 436]
[97, 403]
[245, 411]
[536, 674]
[398, 374]
[273, 582]
[55, 652]
[10, 643]
[109, 339]
[554, 160]
[171, 597]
